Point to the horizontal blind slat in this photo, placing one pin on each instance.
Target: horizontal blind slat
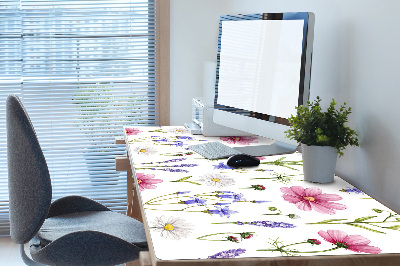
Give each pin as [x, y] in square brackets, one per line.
[83, 69]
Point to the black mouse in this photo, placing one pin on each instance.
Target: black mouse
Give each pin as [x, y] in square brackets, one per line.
[242, 160]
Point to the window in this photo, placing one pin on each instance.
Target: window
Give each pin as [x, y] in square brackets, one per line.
[82, 69]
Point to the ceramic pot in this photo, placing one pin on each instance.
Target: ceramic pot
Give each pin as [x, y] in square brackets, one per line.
[319, 163]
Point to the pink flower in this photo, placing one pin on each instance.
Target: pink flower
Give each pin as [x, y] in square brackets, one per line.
[261, 158]
[132, 131]
[312, 198]
[147, 181]
[239, 140]
[355, 243]
[313, 241]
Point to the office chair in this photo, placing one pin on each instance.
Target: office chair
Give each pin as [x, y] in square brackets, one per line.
[70, 231]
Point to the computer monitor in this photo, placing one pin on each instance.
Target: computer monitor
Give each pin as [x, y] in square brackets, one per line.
[263, 73]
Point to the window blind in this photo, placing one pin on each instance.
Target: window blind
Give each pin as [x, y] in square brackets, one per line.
[82, 69]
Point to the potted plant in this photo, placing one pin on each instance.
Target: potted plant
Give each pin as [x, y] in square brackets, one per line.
[323, 136]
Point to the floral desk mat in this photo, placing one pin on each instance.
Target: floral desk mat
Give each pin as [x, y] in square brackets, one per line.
[198, 208]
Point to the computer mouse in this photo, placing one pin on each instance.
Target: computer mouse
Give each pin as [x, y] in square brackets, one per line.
[242, 160]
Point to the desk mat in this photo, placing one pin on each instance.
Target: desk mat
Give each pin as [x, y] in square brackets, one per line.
[203, 209]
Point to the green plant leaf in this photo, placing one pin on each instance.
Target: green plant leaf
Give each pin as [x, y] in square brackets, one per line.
[312, 126]
[364, 219]
[194, 183]
[329, 221]
[182, 179]
[394, 227]
[366, 228]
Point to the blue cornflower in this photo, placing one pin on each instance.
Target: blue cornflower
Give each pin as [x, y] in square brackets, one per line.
[222, 211]
[353, 189]
[177, 144]
[182, 192]
[163, 140]
[198, 201]
[231, 253]
[231, 195]
[222, 165]
[184, 137]
[222, 203]
[260, 201]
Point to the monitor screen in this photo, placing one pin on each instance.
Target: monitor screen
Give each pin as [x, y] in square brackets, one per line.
[263, 71]
[260, 63]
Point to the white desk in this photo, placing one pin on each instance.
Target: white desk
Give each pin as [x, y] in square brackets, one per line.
[199, 211]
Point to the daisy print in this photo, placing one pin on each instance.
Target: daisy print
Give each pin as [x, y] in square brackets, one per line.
[217, 180]
[173, 228]
[145, 150]
[178, 130]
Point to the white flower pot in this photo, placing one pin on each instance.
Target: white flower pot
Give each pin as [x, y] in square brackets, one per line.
[319, 163]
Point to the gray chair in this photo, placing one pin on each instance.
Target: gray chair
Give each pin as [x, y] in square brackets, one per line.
[70, 231]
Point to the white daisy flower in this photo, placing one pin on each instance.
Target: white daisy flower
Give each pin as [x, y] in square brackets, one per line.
[217, 180]
[172, 227]
[144, 150]
[179, 130]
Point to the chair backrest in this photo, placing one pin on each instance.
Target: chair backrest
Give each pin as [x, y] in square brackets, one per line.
[29, 183]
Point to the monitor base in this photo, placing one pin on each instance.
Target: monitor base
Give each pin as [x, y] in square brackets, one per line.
[275, 148]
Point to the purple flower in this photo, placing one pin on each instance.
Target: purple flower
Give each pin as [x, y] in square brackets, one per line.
[182, 192]
[174, 160]
[198, 201]
[231, 195]
[184, 137]
[270, 224]
[260, 201]
[222, 211]
[177, 144]
[231, 253]
[353, 189]
[185, 165]
[222, 165]
[174, 170]
[163, 140]
[222, 203]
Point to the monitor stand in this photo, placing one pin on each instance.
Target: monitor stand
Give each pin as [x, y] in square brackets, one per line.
[275, 148]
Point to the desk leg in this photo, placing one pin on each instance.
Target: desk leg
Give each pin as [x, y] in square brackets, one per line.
[132, 198]
[129, 193]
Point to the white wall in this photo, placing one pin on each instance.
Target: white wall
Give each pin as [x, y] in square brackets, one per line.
[194, 41]
[356, 60]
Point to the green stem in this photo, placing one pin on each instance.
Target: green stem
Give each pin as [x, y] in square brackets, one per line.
[293, 251]
[227, 233]
[226, 223]
[165, 196]
[390, 215]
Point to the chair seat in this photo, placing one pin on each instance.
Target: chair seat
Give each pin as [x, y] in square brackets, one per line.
[107, 222]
